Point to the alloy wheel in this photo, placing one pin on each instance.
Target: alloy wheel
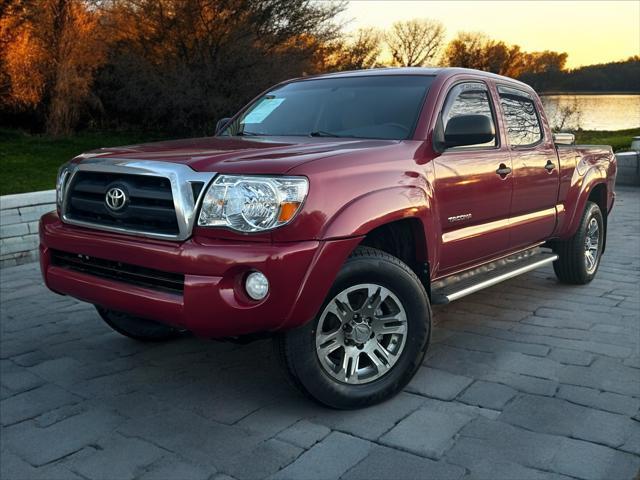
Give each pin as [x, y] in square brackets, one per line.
[361, 334]
[591, 244]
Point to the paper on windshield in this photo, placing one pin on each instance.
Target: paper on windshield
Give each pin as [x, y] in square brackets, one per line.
[262, 110]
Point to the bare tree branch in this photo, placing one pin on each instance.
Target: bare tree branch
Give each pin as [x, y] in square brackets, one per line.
[414, 43]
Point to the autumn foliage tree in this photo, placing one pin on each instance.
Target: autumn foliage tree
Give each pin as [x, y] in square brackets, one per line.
[182, 64]
[173, 65]
[477, 50]
[51, 50]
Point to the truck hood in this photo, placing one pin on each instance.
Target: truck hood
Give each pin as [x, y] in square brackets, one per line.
[275, 155]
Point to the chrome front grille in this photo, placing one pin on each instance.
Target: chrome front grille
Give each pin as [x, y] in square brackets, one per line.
[160, 198]
[149, 206]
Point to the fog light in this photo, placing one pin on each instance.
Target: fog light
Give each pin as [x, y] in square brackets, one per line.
[257, 285]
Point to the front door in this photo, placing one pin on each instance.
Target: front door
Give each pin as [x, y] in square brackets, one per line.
[473, 187]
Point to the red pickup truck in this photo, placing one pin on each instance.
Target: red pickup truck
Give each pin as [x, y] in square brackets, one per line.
[330, 213]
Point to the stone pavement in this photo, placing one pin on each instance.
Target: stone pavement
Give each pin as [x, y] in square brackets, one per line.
[527, 380]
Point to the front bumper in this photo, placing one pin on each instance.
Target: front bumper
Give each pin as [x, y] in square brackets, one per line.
[212, 303]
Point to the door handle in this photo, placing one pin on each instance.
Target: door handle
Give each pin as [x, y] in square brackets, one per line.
[503, 170]
[550, 166]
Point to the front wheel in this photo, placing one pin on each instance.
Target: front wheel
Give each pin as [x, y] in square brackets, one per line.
[369, 338]
[579, 256]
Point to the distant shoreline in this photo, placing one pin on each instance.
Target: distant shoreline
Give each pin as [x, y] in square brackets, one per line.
[588, 93]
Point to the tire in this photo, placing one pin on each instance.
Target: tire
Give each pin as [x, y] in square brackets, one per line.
[573, 266]
[397, 319]
[137, 328]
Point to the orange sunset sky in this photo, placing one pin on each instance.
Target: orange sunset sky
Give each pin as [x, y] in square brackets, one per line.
[589, 31]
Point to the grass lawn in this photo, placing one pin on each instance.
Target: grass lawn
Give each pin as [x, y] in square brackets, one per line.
[30, 162]
[618, 139]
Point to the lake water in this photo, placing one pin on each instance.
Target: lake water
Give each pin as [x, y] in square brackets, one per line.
[594, 112]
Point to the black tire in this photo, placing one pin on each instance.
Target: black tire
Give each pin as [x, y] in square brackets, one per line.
[138, 328]
[296, 349]
[571, 266]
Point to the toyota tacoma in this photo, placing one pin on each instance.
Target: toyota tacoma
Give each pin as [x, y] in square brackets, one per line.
[330, 213]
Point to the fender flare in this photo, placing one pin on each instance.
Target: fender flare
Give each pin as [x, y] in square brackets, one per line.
[369, 211]
[589, 181]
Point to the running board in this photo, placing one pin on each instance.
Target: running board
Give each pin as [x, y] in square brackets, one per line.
[471, 281]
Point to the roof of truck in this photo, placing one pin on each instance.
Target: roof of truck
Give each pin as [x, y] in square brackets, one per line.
[437, 71]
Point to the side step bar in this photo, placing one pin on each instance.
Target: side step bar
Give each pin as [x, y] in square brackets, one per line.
[466, 283]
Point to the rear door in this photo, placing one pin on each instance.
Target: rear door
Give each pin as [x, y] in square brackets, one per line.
[535, 168]
[473, 186]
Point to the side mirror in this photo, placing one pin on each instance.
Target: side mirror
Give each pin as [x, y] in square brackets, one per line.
[221, 124]
[468, 130]
[564, 138]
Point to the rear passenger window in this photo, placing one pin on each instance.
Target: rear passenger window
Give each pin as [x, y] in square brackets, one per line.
[521, 117]
[465, 99]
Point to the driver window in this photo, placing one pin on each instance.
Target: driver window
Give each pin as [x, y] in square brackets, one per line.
[465, 99]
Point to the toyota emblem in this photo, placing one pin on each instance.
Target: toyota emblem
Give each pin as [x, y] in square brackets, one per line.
[115, 199]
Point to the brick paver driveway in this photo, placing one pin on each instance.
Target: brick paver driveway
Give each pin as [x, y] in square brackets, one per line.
[527, 380]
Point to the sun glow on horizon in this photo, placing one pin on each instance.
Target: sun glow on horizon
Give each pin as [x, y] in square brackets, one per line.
[590, 32]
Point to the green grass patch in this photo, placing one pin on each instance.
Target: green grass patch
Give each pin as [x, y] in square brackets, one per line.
[618, 139]
[30, 163]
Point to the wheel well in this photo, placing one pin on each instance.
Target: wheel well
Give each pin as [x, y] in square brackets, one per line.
[599, 196]
[405, 240]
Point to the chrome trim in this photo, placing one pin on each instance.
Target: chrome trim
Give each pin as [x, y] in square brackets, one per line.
[460, 218]
[115, 199]
[564, 138]
[180, 176]
[501, 278]
[61, 182]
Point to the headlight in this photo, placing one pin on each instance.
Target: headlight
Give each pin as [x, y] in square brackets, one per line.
[252, 203]
[61, 181]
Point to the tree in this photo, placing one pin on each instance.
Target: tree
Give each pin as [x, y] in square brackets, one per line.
[562, 118]
[477, 50]
[182, 64]
[466, 50]
[544, 62]
[414, 43]
[621, 76]
[359, 51]
[51, 49]
[172, 65]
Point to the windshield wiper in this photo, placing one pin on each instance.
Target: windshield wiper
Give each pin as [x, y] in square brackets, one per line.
[322, 133]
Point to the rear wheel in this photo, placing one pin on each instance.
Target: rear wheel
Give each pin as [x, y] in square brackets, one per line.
[579, 256]
[138, 328]
[369, 338]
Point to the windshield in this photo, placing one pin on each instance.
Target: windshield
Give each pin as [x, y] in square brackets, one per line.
[380, 107]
